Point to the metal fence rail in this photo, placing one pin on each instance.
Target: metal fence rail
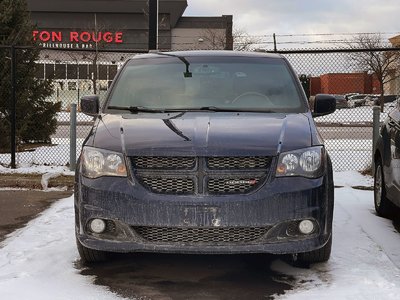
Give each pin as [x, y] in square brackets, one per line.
[75, 73]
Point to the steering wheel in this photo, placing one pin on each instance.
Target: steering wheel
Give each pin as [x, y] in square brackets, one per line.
[249, 94]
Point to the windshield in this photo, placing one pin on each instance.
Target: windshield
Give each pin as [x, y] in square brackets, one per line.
[176, 82]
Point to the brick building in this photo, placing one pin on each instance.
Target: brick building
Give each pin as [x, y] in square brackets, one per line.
[123, 24]
[343, 83]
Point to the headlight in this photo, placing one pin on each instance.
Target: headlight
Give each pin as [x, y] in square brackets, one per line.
[306, 162]
[98, 162]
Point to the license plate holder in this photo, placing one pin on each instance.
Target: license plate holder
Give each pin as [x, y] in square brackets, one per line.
[202, 216]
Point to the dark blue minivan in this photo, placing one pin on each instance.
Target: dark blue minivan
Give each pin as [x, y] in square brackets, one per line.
[205, 152]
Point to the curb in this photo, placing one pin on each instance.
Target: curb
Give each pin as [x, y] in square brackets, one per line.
[34, 181]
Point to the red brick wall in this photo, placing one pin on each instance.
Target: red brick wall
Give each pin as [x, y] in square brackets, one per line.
[376, 88]
[315, 85]
[343, 83]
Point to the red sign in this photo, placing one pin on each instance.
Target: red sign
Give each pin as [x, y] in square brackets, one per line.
[77, 36]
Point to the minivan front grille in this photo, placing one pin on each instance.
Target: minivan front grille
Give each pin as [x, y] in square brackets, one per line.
[173, 186]
[201, 175]
[232, 185]
[203, 235]
[159, 162]
[251, 162]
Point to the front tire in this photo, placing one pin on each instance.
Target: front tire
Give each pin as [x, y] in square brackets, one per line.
[383, 206]
[90, 255]
[316, 256]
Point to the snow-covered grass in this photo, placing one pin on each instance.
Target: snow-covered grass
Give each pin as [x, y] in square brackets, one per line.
[80, 117]
[37, 262]
[360, 114]
[57, 155]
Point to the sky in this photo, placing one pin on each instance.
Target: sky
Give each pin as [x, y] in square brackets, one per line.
[294, 17]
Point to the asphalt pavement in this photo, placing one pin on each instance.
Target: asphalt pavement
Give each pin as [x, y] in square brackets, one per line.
[22, 198]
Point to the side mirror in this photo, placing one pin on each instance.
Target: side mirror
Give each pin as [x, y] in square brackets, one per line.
[324, 105]
[90, 105]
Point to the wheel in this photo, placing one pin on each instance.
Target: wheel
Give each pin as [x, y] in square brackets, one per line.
[250, 94]
[90, 255]
[383, 206]
[316, 256]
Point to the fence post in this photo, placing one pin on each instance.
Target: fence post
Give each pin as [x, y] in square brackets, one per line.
[375, 132]
[13, 106]
[72, 138]
[153, 24]
[274, 38]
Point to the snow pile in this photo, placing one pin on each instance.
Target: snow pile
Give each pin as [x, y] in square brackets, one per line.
[45, 181]
[35, 169]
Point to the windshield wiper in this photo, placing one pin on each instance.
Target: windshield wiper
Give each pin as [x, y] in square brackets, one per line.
[137, 109]
[233, 109]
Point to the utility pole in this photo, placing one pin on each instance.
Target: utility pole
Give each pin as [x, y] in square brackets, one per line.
[153, 25]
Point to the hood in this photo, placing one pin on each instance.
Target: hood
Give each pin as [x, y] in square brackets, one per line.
[202, 134]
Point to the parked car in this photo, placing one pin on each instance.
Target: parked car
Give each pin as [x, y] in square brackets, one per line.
[348, 95]
[372, 100]
[341, 101]
[205, 152]
[357, 100]
[387, 166]
[375, 99]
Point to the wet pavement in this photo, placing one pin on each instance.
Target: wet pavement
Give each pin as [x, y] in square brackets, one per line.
[18, 207]
[147, 276]
[203, 277]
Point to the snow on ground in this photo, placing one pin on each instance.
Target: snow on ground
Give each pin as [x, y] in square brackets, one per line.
[56, 155]
[47, 173]
[36, 169]
[80, 117]
[354, 115]
[37, 262]
[365, 261]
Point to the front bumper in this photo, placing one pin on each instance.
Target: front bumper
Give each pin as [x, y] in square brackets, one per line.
[275, 207]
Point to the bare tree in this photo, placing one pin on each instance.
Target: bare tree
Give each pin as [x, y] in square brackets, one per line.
[243, 41]
[216, 39]
[93, 57]
[382, 64]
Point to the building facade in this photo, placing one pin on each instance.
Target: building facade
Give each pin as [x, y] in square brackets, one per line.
[123, 24]
[75, 26]
[393, 86]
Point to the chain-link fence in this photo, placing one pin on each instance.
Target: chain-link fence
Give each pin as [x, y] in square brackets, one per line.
[348, 131]
[63, 76]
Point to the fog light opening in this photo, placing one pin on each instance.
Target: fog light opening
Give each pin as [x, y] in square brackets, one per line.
[97, 226]
[306, 227]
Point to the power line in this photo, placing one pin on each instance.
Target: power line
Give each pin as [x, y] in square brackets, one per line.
[335, 34]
